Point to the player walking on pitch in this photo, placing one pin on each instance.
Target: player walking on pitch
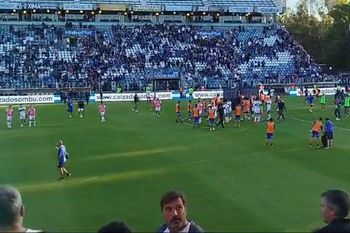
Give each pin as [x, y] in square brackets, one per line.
[62, 157]
[102, 110]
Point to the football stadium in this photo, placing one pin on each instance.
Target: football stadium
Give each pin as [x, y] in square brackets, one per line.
[172, 116]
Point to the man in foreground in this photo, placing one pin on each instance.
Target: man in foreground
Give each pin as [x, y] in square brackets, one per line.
[12, 211]
[173, 207]
[334, 210]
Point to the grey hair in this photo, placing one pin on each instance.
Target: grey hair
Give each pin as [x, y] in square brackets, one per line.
[10, 205]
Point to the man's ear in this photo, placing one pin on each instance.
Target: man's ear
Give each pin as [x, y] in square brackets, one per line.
[22, 211]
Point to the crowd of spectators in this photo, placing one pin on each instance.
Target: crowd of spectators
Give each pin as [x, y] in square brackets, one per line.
[43, 57]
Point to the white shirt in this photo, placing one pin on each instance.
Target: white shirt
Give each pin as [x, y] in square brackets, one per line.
[185, 230]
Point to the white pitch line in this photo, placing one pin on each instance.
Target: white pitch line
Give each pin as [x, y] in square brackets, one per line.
[302, 120]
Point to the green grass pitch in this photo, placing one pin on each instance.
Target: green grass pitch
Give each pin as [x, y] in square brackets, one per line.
[122, 167]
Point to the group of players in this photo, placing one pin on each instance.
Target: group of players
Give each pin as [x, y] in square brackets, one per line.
[27, 116]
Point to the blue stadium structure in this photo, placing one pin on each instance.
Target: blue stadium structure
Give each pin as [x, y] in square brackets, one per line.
[208, 44]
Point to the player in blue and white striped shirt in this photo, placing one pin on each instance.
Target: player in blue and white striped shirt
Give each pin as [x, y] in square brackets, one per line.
[62, 159]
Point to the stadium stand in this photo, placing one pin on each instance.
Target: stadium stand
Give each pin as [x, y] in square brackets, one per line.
[41, 56]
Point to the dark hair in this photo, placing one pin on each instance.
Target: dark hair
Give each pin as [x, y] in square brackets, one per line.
[327, 119]
[320, 119]
[338, 199]
[170, 196]
[271, 119]
[115, 227]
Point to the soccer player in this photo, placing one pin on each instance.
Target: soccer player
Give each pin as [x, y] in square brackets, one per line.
[200, 108]
[211, 118]
[217, 100]
[337, 112]
[247, 104]
[32, 116]
[281, 109]
[62, 159]
[220, 110]
[136, 101]
[195, 114]
[148, 94]
[329, 128]
[268, 108]
[257, 110]
[81, 108]
[158, 106]
[316, 129]
[323, 101]
[310, 101]
[238, 112]
[189, 109]
[229, 106]
[9, 116]
[70, 107]
[102, 109]
[346, 105]
[178, 112]
[271, 127]
[22, 114]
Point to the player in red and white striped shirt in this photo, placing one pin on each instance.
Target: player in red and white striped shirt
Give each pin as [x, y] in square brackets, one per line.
[9, 116]
[32, 116]
[102, 109]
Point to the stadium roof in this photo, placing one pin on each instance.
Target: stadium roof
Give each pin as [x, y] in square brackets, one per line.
[262, 6]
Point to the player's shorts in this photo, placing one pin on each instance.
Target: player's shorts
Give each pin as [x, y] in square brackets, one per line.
[102, 114]
[238, 118]
[32, 118]
[269, 136]
[22, 117]
[329, 135]
[196, 120]
[80, 109]
[346, 107]
[257, 114]
[9, 118]
[60, 164]
[315, 134]
[212, 122]
[158, 109]
[70, 110]
[178, 114]
[148, 95]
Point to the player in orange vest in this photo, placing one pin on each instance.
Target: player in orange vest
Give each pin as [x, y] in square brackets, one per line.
[195, 114]
[189, 109]
[271, 127]
[211, 118]
[238, 113]
[178, 112]
[316, 130]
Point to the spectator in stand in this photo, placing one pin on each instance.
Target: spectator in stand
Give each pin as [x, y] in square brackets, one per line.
[335, 210]
[173, 207]
[12, 211]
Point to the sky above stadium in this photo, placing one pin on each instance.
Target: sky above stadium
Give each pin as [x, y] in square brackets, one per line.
[292, 3]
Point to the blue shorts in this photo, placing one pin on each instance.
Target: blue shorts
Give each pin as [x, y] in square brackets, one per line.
[196, 120]
[212, 122]
[70, 109]
[60, 164]
[329, 135]
[315, 134]
[178, 114]
[238, 118]
[269, 136]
